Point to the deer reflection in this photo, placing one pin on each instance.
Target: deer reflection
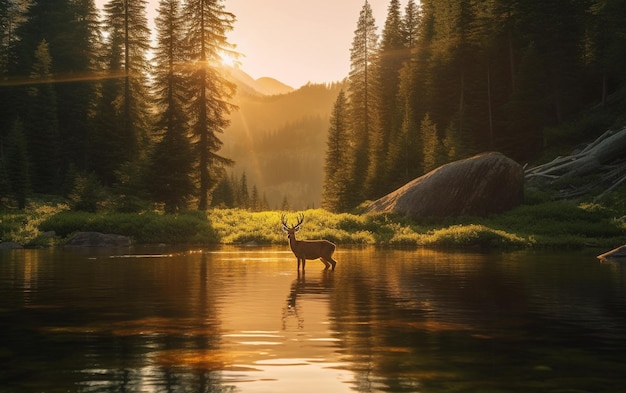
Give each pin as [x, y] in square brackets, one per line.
[303, 287]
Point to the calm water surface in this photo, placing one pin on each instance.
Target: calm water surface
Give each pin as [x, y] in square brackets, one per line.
[243, 320]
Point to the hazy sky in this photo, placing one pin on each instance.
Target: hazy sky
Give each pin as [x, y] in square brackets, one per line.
[295, 41]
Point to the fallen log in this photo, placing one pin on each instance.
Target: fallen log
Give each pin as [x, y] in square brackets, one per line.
[603, 150]
[602, 162]
[618, 253]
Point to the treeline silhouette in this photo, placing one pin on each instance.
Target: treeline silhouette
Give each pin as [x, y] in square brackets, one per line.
[85, 114]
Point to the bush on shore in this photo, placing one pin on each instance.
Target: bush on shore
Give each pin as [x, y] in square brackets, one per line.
[551, 224]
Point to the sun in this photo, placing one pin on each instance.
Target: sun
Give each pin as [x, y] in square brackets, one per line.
[229, 59]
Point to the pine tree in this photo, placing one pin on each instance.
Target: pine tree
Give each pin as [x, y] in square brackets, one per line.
[171, 160]
[558, 42]
[605, 49]
[336, 175]
[405, 156]
[224, 193]
[284, 205]
[411, 24]
[77, 98]
[41, 125]
[243, 200]
[392, 55]
[122, 113]
[70, 27]
[525, 108]
[17, 164]
[363, 98]
[208, 24]
[12, 15]
[432, 144]
[255, 202]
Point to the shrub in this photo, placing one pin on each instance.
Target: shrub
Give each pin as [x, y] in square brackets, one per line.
[143, 228]
[87, 193]
[474, 235]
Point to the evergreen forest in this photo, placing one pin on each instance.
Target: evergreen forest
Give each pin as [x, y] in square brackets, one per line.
[94, 110]
[447, 79]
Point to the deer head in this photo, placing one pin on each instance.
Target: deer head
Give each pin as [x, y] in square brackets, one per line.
[291, 229]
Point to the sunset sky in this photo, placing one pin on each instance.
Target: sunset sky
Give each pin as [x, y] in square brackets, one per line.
[295, 41]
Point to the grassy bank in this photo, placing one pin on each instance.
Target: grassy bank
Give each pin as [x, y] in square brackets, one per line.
[542, 225]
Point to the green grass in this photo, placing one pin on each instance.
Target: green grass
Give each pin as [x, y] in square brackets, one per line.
[22, 226]
[149, 227]
[551, 224]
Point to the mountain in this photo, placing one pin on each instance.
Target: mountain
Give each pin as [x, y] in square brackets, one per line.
[262, 87]
[270, 86]
[277, 136]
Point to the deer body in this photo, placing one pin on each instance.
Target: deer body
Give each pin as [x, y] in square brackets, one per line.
[309, 249]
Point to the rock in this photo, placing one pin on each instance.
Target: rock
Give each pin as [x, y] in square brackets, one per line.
[10, 246]
[616, 253]
[97, 239]
[48, 235]
[251, 243]
[478, 186]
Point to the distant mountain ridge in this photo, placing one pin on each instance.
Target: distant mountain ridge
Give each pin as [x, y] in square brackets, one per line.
[264, 86]
[277, 136]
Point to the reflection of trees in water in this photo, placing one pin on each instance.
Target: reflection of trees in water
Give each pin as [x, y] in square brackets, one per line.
[401, 314]
[409, 318]
[302, 287]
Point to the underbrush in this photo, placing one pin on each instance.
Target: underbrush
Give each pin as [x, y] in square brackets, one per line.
[149, 227]
[551, 224]
[22, 226]
[564, 224]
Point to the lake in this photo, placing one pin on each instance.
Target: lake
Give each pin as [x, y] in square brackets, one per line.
[232, 319]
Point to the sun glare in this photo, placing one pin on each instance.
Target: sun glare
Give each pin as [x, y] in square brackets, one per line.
[228, 59]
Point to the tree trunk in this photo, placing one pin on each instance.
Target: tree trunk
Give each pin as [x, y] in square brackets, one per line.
[605, 149]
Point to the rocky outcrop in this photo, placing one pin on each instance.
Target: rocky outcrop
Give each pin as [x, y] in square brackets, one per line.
[97, 239]
[477, 186]
[10, 246]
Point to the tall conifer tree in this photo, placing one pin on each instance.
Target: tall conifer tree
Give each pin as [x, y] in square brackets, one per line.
[41, 125]
[336, 174]
[70, 27]
[17, 164]
[404, 160]
[77, 96]
[208, 24]
[411, 24]
[171, 162]
[362, 90]
[392, 54]
[122, 113]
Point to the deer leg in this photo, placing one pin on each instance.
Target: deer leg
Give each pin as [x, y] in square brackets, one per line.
[303, 263]
[331, 261]
[326, 264]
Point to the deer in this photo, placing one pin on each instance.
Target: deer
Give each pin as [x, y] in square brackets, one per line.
[308, 249]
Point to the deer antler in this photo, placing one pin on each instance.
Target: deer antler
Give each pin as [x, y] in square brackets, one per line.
[300, 220]
[288, 227]
[283, 221]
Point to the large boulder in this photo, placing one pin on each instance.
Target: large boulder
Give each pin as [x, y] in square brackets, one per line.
[97, 239]
[478, 186]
